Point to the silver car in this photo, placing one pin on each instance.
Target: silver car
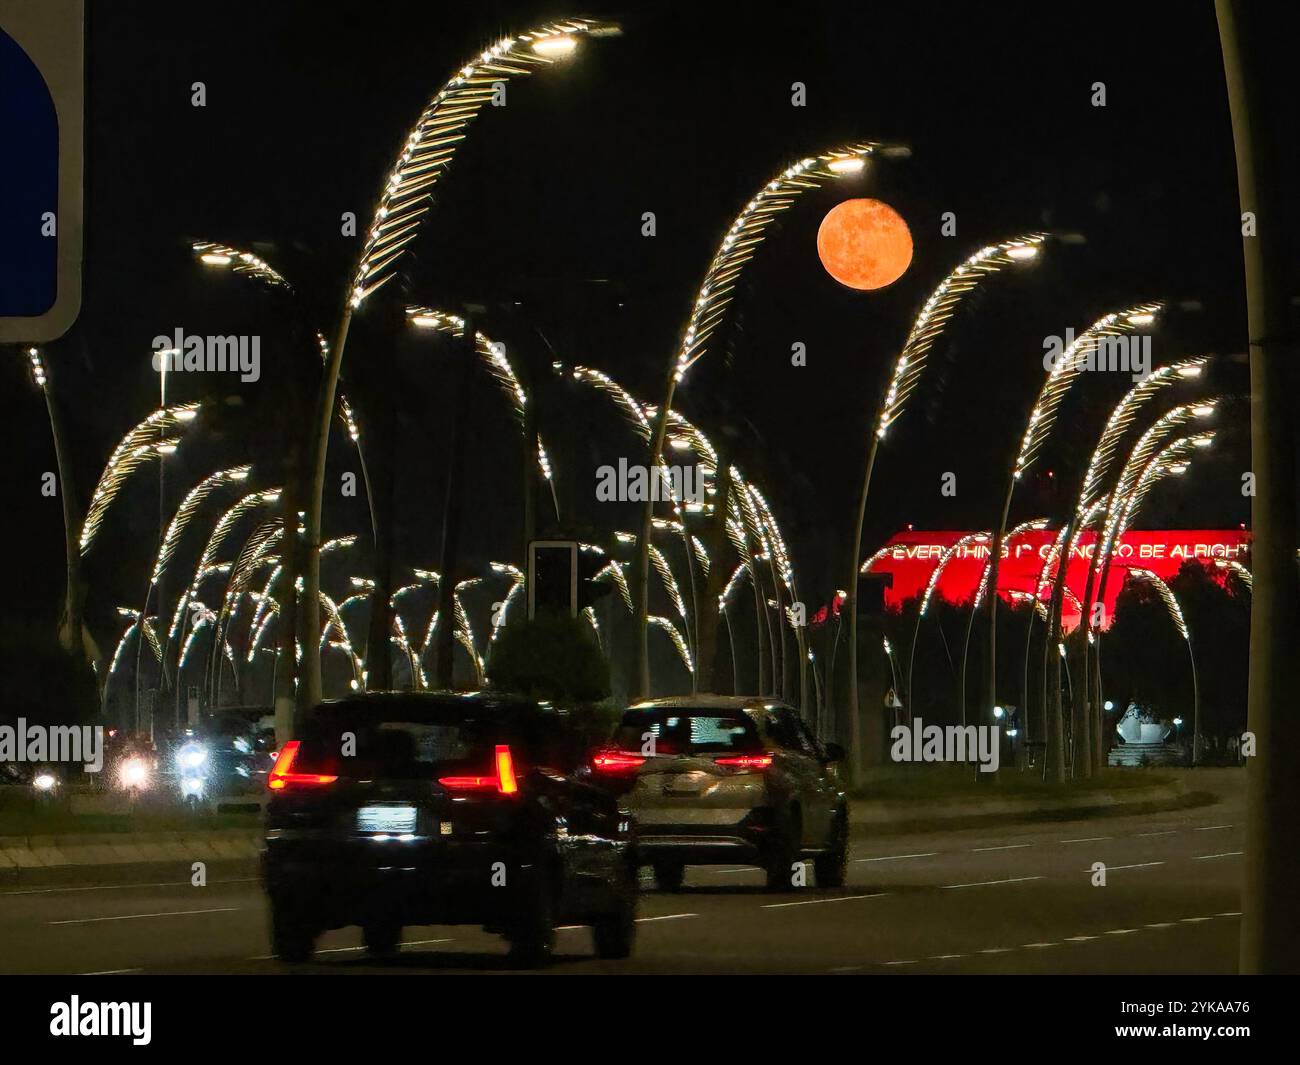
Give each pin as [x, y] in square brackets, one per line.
[715, 779]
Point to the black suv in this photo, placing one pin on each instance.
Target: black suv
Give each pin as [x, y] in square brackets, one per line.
[399, 808]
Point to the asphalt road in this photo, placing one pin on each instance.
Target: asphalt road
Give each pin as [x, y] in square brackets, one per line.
[1015, 899]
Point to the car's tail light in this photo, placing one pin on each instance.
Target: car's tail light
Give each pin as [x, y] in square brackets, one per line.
[503, 780]
[611, 761]
[745, 761]
[281, 776]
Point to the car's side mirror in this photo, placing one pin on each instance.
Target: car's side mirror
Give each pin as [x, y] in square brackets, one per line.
[834, 752]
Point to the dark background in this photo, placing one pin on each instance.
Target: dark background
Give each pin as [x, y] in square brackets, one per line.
[685, 115]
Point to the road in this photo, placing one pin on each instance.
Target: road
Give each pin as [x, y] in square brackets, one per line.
[1014, 899]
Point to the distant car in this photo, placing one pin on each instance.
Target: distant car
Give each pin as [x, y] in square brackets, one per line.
[393, 809]
[728, 780]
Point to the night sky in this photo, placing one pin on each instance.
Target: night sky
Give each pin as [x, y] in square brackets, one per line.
[686, 115]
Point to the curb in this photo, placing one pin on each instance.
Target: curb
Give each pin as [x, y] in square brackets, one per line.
[39, 859]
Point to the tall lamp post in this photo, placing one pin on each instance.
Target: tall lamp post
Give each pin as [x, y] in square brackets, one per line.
[1180, 623]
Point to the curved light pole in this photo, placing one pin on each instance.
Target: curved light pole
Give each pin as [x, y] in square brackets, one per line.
[427, 152]
[1180, 623]
[1065, 369]
[1089, 503]
[935, 574]
[739, 245]
[926, 329]
[986, 577]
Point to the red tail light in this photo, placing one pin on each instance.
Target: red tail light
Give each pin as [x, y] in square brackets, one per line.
[502, 781]
[617, 761]
[281, 778]
[745, 761]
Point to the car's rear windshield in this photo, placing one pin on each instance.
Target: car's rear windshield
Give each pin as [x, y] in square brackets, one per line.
[408, 740]
[677, 730]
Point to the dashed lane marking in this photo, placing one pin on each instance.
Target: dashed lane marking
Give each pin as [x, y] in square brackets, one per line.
[142, 916]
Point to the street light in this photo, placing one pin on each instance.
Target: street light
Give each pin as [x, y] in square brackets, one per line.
[425, 155]
[1180, 622]
[926, 329]
[737, 248]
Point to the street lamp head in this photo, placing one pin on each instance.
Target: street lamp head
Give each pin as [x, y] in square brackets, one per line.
[1144, 318]
[1023, 252]
[557, 46]
[214, 258]
[1189, 371]
[1109, 705]
[853, 164]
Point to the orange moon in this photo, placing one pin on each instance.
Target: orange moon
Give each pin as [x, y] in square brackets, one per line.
[864, 244]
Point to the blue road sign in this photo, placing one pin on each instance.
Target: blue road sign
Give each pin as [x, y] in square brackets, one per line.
[42, 61]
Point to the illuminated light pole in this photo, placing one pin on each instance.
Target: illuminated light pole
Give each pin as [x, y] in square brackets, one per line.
[1089, 505]
[1180, 623]
[1131, 473]
[428, 151]
[1173, 460]
[1066, 368]
[738, 246]
[935, 575]
[984, 587]
[926, 329]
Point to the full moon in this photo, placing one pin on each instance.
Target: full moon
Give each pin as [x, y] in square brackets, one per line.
[864, 244]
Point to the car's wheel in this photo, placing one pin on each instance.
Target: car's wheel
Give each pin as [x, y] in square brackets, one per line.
[382, 939]
[292, 940]
[615, 932]
[786, 838]
[831, 868]
[669, 875]
[532, 932]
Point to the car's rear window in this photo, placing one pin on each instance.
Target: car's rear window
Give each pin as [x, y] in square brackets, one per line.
[677, 730]
[409, 741]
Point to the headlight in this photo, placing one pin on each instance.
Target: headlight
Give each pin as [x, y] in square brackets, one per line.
[134, 773]
[45, 782]
[191, 756]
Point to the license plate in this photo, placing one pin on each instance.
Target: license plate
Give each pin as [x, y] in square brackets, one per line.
[391, 819]
[684, 783]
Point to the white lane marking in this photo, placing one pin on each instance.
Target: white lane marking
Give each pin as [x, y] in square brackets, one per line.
[1169, 832]
[1161, 924]
[908, 962]
[1230, 913]
[404, 943]
[997, 950]
[141, 916]
[990, 883]
[1211, 828]
[666, 917]
[1004, 847]
[1225, 854]
[945, 957]
[1121, 931]
[124, 887]
[1194, 920]
[1085, 839]
[897, 857]
[1079, 939]
[110, 972]
[815, 902]
[1038, 946]
[344, 950]
[1139, 865]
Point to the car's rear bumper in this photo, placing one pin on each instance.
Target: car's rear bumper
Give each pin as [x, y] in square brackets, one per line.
[699, 842]
[334, 883]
